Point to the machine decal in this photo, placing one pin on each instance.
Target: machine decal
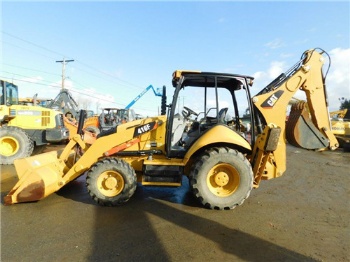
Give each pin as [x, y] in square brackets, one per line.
[144, 128]
[338, 128]
[271, 101]
[28, 113]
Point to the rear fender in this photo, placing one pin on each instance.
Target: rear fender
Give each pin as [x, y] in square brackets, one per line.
[218, 134]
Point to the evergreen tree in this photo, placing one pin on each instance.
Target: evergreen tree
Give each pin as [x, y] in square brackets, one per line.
[344, 103]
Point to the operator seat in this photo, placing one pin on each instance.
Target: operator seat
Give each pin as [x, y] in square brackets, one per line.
[219, 119]
[178, 128]
[222, 115]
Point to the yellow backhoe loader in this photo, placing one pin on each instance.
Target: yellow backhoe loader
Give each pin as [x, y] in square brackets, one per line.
[223, 166]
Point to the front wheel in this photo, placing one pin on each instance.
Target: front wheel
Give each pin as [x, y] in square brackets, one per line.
[14, 144]
[221, 178]
[111, 182]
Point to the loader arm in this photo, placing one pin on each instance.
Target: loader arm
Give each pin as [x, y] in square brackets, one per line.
[44, 174]
[103, 147]
[269, 153]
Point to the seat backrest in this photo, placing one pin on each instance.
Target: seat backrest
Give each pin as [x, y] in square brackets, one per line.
[178, 129]
[222, 115]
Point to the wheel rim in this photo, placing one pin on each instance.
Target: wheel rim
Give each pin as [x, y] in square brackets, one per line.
[223, 180]
[9, 146]
[110, 183]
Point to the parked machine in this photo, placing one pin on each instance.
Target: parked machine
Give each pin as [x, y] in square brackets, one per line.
[94, 124]
[65, 102]
[111, 117]
[222, 166]
[34, 101]
[25, 126]
[341, 127]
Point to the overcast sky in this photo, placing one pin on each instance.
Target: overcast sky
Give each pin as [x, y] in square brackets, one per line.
[119, 48]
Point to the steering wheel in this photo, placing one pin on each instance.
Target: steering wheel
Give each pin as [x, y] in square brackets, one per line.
[187, 112]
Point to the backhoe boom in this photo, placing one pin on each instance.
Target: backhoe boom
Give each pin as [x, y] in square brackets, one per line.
[272, 102]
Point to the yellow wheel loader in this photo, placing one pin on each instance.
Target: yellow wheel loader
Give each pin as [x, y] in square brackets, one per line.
[341, 127]
[223, 162]
[23, 127]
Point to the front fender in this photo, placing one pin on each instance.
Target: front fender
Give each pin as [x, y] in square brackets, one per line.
[217, 134]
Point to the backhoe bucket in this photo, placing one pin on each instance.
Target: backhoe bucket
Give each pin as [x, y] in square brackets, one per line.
[39, 176]
[300, 130]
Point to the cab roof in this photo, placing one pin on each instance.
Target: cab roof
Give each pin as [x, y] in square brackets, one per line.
[207, 79]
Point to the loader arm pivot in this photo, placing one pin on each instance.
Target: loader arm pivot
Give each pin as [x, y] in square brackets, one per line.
[271, 103]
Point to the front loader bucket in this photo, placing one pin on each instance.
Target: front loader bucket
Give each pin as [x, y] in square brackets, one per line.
[39, 176]
[301, 132]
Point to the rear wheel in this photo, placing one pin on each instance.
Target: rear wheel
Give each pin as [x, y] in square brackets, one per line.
[14, 144]
[221, 178]
[111, 182]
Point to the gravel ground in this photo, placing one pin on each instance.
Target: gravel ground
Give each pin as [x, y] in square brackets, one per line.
[301, 216]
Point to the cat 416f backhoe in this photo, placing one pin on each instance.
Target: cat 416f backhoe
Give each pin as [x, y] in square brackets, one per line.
[222, 160]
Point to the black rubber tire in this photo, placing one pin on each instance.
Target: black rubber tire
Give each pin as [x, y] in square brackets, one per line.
[346, 147]
[97, 180]
[230, 164]
[8, 136]
[92, 129]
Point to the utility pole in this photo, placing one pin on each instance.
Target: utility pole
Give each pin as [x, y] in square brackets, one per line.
[64, 62]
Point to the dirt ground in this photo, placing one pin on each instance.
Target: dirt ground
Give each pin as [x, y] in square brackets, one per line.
[301, 216]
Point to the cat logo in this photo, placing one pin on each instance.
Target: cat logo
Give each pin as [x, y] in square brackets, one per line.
[271, 101]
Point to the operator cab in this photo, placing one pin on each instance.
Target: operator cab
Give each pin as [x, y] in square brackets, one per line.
[9, 94]
[203, 100]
